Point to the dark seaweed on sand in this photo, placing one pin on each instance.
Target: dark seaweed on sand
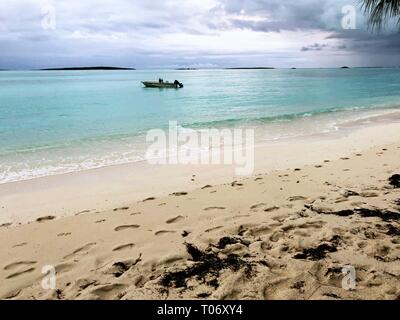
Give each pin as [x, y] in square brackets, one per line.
[226, 241]
[385, 215]
[395, 180]
[341, 213]
[206, 268]
[392, 230]
[321, 251]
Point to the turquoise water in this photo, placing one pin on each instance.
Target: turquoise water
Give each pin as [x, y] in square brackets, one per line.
[55, 122]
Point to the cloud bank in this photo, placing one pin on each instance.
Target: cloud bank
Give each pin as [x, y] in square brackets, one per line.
[190, 33]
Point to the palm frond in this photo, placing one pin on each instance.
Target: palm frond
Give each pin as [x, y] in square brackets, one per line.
[381, 11]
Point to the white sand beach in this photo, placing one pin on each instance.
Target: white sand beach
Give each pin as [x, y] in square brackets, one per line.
[136, 231]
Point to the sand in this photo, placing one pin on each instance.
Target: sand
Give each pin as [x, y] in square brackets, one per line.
[284, 233]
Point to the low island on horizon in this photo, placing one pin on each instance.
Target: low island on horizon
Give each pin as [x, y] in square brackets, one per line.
[85, 68]
[250, 68]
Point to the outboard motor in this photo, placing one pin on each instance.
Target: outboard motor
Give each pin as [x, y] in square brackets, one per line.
[178, 84]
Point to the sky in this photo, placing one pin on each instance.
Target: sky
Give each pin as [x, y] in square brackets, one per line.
[191, 33]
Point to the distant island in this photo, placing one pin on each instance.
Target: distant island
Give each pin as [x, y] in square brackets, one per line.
[250, 68]
[186, 69]
[85, 69]
[345, 67]
[377, 67]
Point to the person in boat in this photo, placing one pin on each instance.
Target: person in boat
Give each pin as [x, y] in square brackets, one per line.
[160, 80]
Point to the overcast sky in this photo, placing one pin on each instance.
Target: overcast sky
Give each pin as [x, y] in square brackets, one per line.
[188, 33]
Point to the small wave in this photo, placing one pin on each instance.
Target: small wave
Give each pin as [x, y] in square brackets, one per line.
[281, 118]
[12, 174]
[70, 143]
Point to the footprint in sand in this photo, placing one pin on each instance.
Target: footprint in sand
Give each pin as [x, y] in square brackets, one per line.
[44, 219]
[109, 291]
[20, 245]
[80, 250]
[236, 184]
[64, 267]
[126, 227]
[20, 273]
[82, 284]
[121, 209]
[213, 229]
[308, 225]
[271, 209]
[179, 194]
[13, 294]
[257, 206]
[5, 225]
[82, 212]
[164, 232]
[297, 198]
[124, 247]
[19, 264]
[149, 199]
[101, 221]
[175, 219]
[259, 231]
[276, 288]
[214, 208]
[65, 234]
[369, 194]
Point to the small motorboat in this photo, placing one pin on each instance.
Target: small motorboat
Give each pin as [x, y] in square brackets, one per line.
[161, 84]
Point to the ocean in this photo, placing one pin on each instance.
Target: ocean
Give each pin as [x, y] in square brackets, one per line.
[54, 122]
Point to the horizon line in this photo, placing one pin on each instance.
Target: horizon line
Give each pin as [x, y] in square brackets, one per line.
[112, 68]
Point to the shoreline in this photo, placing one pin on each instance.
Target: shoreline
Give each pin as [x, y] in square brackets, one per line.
[266, 133]
[100, 189]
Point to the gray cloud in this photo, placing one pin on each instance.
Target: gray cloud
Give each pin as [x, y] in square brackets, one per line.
[314, 47]
[282, 15]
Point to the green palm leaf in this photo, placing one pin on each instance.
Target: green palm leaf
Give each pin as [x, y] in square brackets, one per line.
[381, 11]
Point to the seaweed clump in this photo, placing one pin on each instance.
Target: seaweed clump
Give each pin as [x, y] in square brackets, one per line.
[385, 215]
[394, 181]
[320, 252]
[206, 268]
[226, 241]
[341, 213]
[392, 230]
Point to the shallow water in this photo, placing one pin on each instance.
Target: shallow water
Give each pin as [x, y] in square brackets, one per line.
[62, 121]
